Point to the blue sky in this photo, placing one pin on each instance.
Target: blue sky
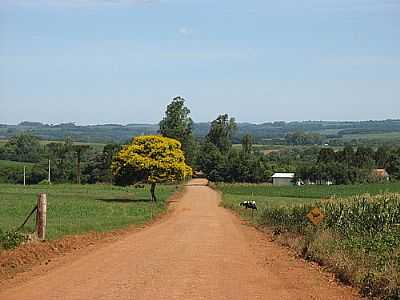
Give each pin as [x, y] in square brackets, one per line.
[122, 61]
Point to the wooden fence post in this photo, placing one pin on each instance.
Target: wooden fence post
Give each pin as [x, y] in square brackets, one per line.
[41, 216]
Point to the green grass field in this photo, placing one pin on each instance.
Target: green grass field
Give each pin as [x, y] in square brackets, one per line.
[74, 209]
[388, 136]
[308, 191]
[269, 196]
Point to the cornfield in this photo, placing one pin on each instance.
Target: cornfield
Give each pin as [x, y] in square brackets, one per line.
[358, 240]
[364, 215]
[365, 229]
[359, 215]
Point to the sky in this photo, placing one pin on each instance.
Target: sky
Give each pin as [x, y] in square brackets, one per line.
[123, 61]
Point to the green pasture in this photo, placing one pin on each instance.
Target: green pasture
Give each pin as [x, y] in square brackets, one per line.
[387, 136]
[74, 209]
[295, 193]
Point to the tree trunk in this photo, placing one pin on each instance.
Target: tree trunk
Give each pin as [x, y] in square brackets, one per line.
[153, 190]
[79, 150]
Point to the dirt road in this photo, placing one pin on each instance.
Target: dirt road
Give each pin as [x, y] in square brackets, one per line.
[200, 251]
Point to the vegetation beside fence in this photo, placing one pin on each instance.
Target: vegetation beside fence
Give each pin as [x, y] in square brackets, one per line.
[74, 209]
[359, 239]
[11, 239]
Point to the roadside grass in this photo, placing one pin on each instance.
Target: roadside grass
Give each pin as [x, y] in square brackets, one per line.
[359, 239]
[75, 209]
[232, 201]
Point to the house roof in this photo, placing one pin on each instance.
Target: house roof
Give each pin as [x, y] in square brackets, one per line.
[381, 172]
[283, 175]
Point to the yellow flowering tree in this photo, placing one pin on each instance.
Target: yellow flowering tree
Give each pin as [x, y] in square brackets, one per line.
[152, 159]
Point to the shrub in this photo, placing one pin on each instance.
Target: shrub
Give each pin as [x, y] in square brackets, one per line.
[11, 239]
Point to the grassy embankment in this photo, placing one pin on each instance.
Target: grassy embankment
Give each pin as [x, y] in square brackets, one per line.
[74, 209]
[359, 239]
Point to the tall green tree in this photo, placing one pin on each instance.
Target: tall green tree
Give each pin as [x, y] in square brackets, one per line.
[364, 157]
[178, 125]
[212, 162]
[221, 132]
[99, 167]
[221, 162]
[347, 155]
[62, 160]
[23, 147]
[393, 166]
[326, 155]
[383, 156]
[79, 151]
[247, 144]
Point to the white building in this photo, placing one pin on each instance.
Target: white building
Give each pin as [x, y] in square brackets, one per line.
[283, 179]
[381, 174]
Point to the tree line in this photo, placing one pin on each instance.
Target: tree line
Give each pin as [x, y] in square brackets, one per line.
[350, 165]
[214, 155]
[278, 132]
[69, 162]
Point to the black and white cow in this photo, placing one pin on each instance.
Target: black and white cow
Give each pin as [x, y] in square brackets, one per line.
[249, 204]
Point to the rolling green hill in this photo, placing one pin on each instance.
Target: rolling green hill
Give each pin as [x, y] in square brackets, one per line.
[266, 133]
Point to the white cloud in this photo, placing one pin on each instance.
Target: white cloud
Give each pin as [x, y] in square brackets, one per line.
[185, 31]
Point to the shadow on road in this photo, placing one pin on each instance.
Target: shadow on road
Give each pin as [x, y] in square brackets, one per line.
[123, 200]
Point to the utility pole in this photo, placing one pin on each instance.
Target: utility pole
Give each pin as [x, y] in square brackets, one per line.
[24, 175]
[49, 172]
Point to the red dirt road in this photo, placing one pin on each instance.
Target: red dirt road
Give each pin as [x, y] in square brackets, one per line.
[200, 251]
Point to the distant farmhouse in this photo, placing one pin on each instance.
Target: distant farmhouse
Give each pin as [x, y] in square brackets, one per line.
[381, 174]
[281, 179]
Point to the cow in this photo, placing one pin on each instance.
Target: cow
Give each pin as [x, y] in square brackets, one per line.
[249, 205]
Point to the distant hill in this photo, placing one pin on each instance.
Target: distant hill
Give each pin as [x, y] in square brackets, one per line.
[262, 132]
